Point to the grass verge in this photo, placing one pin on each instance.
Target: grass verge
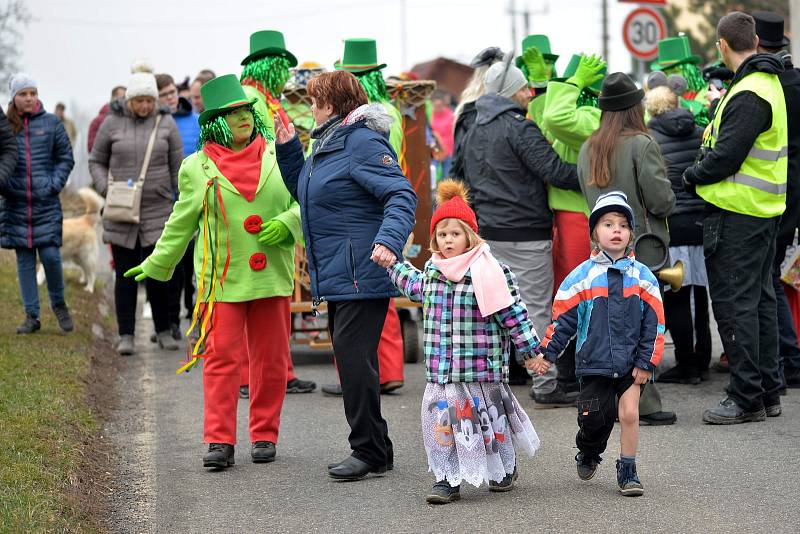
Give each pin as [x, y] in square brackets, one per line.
[52, 386]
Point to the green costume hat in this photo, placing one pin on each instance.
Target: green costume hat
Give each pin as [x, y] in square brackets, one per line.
[268, 43]
[360, 56]
[222, 94]
[674, 51]
[572, 68]
[542, 42]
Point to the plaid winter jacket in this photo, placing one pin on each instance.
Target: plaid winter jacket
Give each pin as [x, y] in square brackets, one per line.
[460, 344]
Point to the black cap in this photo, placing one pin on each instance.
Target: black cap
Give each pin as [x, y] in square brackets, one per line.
[619, 93]
[769, 28]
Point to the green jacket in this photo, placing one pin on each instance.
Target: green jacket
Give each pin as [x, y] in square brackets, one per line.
[396, 130]
[571, 126]
[245, 280]
[536, 114]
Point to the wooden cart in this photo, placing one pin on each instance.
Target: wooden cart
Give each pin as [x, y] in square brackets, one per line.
[415, 159]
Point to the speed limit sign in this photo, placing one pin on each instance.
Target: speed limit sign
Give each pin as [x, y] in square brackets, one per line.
[642, 30]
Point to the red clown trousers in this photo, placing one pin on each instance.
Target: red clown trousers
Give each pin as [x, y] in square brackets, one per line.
[255, 331]
[571, 244]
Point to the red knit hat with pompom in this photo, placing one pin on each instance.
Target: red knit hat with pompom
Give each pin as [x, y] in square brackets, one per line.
[451, 198]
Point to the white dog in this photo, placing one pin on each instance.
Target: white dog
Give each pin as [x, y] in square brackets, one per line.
[79, 240]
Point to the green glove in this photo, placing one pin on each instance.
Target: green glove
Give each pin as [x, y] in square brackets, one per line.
[273, 232]
[537, 69]
[136, 272]
[590, 70]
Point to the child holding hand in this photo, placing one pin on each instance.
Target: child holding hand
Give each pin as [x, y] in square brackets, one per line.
[613, 304]
[471, 421]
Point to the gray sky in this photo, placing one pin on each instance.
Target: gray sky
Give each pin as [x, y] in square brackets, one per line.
[78, 50]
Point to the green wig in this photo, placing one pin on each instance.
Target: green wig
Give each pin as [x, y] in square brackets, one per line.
[217, 130]
[587, 98]
[272, 71]
[374, 86]
[694, 78]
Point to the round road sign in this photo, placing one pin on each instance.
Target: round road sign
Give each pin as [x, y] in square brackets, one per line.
[642, 30]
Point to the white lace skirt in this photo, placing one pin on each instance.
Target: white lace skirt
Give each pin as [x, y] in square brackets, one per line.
[470, 431]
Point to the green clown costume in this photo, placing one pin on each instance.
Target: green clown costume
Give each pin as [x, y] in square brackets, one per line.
[361, 58]
[675, 57]
[571, 115]
[538, 64]
[265, 71]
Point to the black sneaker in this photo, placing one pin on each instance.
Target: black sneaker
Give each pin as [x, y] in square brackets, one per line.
[679, 375]
[63, 317]
[244, 392]
[30, 325]
[558, 398]
[296, 385]
[175, 330]
[443, 493]
[262, 452]
[507, 484]
[219, 455]
[727, 412]
[628, 480]
[587, 465]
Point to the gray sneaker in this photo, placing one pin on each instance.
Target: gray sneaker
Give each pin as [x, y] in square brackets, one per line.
[166, 341]
[125, 347]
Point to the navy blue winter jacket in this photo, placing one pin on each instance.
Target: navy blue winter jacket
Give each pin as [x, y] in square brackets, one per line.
[352, 195]
[30, 210]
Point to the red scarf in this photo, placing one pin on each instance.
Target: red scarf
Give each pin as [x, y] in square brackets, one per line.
[243, 168]
[273, 104]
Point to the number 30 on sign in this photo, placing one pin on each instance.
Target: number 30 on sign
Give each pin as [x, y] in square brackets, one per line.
[642, 30]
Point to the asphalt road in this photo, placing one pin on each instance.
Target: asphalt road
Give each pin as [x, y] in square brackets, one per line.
[696, 477]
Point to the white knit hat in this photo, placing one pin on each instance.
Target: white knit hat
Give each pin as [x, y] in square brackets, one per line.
[142, 82]
[512, 81]
[19, 82]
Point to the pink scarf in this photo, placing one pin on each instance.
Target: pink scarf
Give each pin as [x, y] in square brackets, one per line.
[488, 278]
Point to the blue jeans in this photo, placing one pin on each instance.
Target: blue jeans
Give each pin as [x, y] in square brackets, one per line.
[26, 272]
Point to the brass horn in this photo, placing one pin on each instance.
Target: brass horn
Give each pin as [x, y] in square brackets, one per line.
[672, 275]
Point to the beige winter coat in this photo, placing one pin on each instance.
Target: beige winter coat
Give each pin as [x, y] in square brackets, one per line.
[120, 147]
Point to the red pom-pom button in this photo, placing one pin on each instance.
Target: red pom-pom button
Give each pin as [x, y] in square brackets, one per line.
[258, 261]
[253, 224]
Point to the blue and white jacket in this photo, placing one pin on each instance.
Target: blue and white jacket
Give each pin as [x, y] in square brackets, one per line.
[615, 309]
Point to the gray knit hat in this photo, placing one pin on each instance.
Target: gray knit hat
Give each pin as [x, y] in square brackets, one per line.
[504, 83]
[19, 82]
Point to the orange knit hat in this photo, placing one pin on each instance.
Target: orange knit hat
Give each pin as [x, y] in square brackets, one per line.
[453, 203]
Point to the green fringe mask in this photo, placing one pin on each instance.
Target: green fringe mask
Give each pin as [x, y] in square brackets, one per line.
[694, 78]
[217, 130]
[374, 86]
[587, 98]
[272, 71]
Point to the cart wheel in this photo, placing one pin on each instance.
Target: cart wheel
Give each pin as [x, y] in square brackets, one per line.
[412, 341]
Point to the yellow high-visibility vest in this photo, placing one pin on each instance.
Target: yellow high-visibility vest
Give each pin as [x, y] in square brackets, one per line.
[758, 188]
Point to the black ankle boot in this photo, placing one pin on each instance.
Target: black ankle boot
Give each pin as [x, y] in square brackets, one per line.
[219, 455]
[30, 325]
[63, 317]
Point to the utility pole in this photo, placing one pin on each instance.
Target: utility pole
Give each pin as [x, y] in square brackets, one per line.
[526, 19]
[794, 19]
[605, 30]
[512, 10]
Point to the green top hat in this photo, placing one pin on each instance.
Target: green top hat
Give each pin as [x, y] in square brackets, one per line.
[572, 68]
[542, 42]
[268, 43]
[360, 56]
[674, 51]
[222, 94]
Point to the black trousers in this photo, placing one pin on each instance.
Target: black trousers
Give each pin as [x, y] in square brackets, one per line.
[740, 251]
[182, 282]
[355, 327]
[597, 411]
[788, 350]
[126, 290]
[691, 333]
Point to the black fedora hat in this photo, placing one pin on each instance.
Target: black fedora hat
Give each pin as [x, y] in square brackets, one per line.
[619, 93]
[769, 28]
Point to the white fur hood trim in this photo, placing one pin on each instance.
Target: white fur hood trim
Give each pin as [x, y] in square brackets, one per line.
[374, 115]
